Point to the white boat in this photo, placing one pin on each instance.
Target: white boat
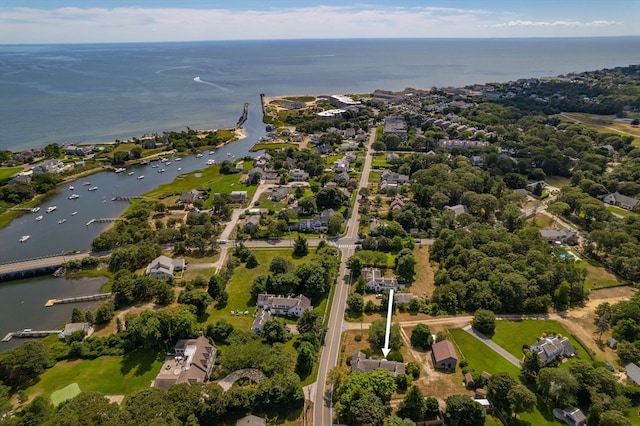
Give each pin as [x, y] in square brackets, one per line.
[211, 152]
[211, 162]
[160, 170]
[50, 209]
[200, 155]
[155, 166]
[179, 168]
[39, 218]
[167, 163]
[62, 221]
[35, 209]
[140, 177]
[24, 238]
[87, 183]
[177, 159]
[130, 173]
[93, 188]
[120, 170]
[74, 213]
[74, 196]
[71, 188]
[228, 154]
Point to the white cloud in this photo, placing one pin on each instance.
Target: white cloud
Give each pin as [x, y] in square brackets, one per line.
[519, 23]
[125, 24]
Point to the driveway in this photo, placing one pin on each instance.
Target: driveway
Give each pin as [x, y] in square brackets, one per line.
[497, 348]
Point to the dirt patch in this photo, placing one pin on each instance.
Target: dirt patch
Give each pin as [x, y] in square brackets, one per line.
[612, 292]
[115, 398]
[424, 283]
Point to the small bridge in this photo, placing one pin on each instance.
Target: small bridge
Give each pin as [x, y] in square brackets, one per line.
[35, 267]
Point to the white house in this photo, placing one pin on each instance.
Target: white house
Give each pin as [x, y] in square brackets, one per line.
[376, 282]
[163, 267]
[281, 305]
[341, 165]
[549, 349]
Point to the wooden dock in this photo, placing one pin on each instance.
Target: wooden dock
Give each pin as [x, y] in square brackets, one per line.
[30, 333]
[78, 299]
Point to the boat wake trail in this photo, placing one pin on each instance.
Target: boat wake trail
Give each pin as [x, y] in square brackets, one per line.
[162, 71]
[217, 86]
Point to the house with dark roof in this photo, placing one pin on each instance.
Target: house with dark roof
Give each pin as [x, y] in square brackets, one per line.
[251, 222]
[281, 305]
[622, 201]
[318, 224]
[377, 282]
[633, 373]
[191, 362]
[163, 267]
[360, 362]
[393, 177]
[574, 416]
[550, 349]
[279, 194]
[557, 236]
[190, 197]
[443, 355]
[298, 175]
[251, 421]
[395, 125]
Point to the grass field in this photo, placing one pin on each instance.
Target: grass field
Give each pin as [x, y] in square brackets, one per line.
[527, 332]
[282, 145]
[66, 393]
[7, 172]
[604, 124]
[110, 375]
[597, 276]
[541, 221]
[479, 356]
[621, 212]
[557, 181]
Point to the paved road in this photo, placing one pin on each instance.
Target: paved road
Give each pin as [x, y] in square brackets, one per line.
[497, 348]
[44, 262]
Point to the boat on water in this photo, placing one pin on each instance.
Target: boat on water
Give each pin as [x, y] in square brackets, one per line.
[74, 196]
[50, 209]
[120, 170]
[228, 154]
[199, 155]
[62, 221]
[140, 177]
[211, 152]
[93, 188]
[130, 173]
[211, 162]
[74, 213]
[35, 210]
[161, 171]
[39, 218]
[177, 159]
[179, 168]
[167, 163]
[155, 166]
[24, 238]
[71, 188]
[87, 183]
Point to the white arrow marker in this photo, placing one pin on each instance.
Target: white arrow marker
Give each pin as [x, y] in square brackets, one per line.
[386, 350]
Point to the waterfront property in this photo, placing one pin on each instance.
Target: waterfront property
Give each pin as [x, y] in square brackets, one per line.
[191, 362]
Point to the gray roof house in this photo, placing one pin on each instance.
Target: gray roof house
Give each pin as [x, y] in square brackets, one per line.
[49, 166]
[617, 199]
[239, 196]
[376, 282]
[251, 222]
[251, 421]
[163, 267]
[557, 235]
[259, 320]
[393, 177]
[457, 210]
[192, 362]
[319, 223]
[574, 416]
[281, 305]
[633, 373]
[549, 349]
[298, 175]
[279, 194]
[72, 327]
[190, 197]
[360, 362]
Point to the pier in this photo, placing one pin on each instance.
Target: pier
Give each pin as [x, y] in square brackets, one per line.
[30, 333]
[78, 299]
[127, 198]
[103, 220]
[244, 116]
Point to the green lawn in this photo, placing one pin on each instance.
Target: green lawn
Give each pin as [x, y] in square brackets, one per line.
[597, 276]
[511, 335]
[620, 211]
[66, 393]
[479, 356]
[110, 375]
[7, 172]
[557, 181]
[267, 146]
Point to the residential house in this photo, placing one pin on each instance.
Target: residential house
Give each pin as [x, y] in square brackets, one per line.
[71, 328]
[574, 416]
[397, 203]
[341, 165]
[350, 132]
[360, 362]
[449, 144]
[622, 201]
[323, 149]
[386, 186]
[477, 161]
[252, 222]
[443, 355]
[392, 157]
[457, 210]
[280, 305]
[557, 236]
[349, 146]
[261, 317]
[393, 177]
[263, 160]
[376, 282]
[633, 373]
[49, 166]
[342, 177]
[550, 349]
[255, 174]
[163, 267]
[270, 176]
[279, 194]
[319, 223]
[251, 421]
[341, 101]
[350, 157]
[22, 177]
[531, 186]
[191, 362]
[190, 197]
[298, 175]
[395, 125]
[239, 196]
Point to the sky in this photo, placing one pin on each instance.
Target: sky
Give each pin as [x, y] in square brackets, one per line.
[82, 21]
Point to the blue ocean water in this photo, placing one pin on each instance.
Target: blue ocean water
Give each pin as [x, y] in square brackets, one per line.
[102, 92]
